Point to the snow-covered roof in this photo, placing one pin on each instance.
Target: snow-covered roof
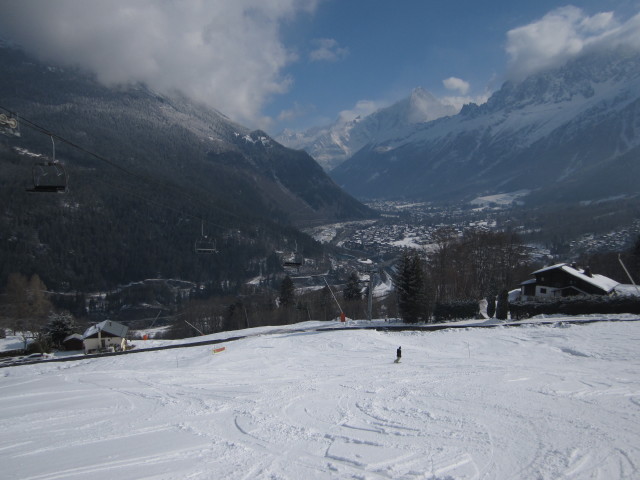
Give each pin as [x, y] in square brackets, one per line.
[600, 281]
[628, 290]
[107, 326]
[75, 336]
[552, 267]
[605, 283]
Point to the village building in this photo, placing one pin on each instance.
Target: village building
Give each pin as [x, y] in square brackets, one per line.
[564, 280]
[73, 342]
[107, 335]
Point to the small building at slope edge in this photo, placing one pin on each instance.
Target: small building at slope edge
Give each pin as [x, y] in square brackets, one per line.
[564, 280]
[103, 336]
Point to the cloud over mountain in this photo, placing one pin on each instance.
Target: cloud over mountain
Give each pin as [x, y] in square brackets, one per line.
[561, 35]
[327, 50]
[225, 53]
[453, 83]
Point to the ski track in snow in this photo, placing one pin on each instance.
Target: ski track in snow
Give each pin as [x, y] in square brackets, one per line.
[537, 402]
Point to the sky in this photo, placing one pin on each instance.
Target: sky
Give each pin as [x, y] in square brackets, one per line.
[276, 64]
[532, 402]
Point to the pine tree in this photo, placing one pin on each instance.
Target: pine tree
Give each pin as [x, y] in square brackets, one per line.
[352, 288]
[491, 306]
[411, 289]
[635, 260]
[502, 309]
[287, 292]
[60, 326]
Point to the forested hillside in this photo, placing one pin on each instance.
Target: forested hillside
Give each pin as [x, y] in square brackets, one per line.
[147, 176]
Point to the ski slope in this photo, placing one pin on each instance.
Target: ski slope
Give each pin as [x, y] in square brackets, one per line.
[533, 402]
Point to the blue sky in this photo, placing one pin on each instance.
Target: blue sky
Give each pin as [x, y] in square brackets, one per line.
[276, 64]
[384, 49]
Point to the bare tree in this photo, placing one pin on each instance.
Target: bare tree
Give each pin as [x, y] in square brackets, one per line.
[27, 306]
[477, 264]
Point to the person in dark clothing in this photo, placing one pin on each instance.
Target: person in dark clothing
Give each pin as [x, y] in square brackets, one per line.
[398, 354]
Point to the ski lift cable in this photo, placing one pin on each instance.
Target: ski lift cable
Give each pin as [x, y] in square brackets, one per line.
[52, 135]
[155, 203]
[49, 133]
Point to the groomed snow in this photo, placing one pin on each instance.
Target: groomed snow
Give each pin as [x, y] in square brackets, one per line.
[532, 402]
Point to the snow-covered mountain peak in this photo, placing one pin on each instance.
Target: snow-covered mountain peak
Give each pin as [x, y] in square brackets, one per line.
[575, 81]
[421, 106]
[564, 129]
[333, 144]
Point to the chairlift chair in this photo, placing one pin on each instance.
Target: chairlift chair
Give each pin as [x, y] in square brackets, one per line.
[205, 244]
[296, 261]
[49, 177]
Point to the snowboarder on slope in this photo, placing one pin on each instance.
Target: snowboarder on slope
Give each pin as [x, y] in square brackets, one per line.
[398, 354]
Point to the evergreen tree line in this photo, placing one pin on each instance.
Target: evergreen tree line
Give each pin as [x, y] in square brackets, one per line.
[422, 294]
[100, 235]
[164, 167]
[261, 307]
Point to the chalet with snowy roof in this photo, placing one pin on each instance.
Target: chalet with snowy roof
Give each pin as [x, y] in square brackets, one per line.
[104, 336]
[564, 280]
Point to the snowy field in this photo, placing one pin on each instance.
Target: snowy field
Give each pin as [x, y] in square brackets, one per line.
[533, 402]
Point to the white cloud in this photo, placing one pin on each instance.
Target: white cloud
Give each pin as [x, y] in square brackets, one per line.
[361, 109]
[461, 100]
[298, 110]
[225, 53]
[328, 50]
[563, 34]
[453, 83]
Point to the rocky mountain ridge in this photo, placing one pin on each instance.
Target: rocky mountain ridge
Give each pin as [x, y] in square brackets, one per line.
[333, 144]
[569, 134]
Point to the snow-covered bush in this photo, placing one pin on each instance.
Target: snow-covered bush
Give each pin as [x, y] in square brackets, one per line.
[59, 326]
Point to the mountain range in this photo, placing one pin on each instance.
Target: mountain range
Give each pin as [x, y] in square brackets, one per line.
[333, 144]
[567, 134]
[148, 174]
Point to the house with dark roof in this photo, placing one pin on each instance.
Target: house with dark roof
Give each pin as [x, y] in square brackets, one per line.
[564, 280]
[73, 342]
[104, 336]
